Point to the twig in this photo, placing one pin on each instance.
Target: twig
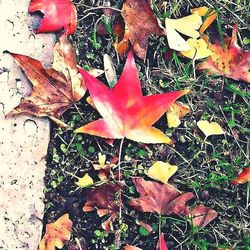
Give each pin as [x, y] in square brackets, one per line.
[102, 7]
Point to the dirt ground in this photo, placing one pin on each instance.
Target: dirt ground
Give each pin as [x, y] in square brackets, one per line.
[206, 166]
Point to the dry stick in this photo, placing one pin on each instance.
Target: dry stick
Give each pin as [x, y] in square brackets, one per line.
[78, 243]
[118, 234]
[119, 179]
[102, 7]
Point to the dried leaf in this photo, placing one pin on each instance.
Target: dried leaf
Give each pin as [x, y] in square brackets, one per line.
[103, 199]
[243, 177]
[140, 23]
[175, 112]
[58, 14]
[162, 171]
[210, 128]
[103, 168]
[187, 25]
[230, 61]
[129, 247]
[56, 234]
[159, 198]
[161, 245]
[85, 181]
[202, 215]
[126, 112]
[54, 90]
[109, 69]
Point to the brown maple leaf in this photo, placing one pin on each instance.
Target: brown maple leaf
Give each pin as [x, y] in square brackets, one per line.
[54, 90]
[202, 215]
[159, 198]
[230, 61]
[56, 234]
[140, 23]
[103, 199]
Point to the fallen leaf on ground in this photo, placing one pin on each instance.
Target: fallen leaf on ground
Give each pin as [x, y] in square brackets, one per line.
[85, 181]
[126, 112]
[243, 177]
[202, 215]
[210, 128]
[103, 199]
[54, 90]
[198, 49]
[57, 14]
[187, 25]
[56, 234]
[161, 171]
[109, 70]
[230, 61]
[162, 245]
[208, 13]
[159, 198]
[140, 23]
[103, 167]
[175, 112]
[129, 247]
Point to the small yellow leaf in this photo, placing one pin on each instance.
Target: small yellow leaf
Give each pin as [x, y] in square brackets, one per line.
[161, 171]
[85, 181]
[175, 112]
[187, 25]
[198, 49]
[210, 128]
[101, 159]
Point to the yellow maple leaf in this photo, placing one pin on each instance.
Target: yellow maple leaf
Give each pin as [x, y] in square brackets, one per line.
[161, 171]
[210, 128]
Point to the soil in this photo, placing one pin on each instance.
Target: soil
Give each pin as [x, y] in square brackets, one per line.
[206, 166]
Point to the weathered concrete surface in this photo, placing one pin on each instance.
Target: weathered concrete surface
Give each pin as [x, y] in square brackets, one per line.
[23, 140]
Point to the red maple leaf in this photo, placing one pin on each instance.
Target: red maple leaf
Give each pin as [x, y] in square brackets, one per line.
[58, 14]
[230, 61]
[125, 111]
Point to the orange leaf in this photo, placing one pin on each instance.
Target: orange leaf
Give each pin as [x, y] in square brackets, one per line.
[243, 177]
[202, 215]
[159, 198]
[56, 234]
[126, 112]
[54, 90]
[102, 199]
[58, 14]
[231, 61]
[129, 247]
[140, 23]
[208, 13]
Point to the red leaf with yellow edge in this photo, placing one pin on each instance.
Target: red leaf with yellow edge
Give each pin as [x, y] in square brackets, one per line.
[58, 14]
[102, 199]
[140, 23]
[125, 111]
[159, 198]
[54, 90]
[243, 177]
[162, 245]
[129, 247]
[202, 215]
[230, 61]
[56, 234]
